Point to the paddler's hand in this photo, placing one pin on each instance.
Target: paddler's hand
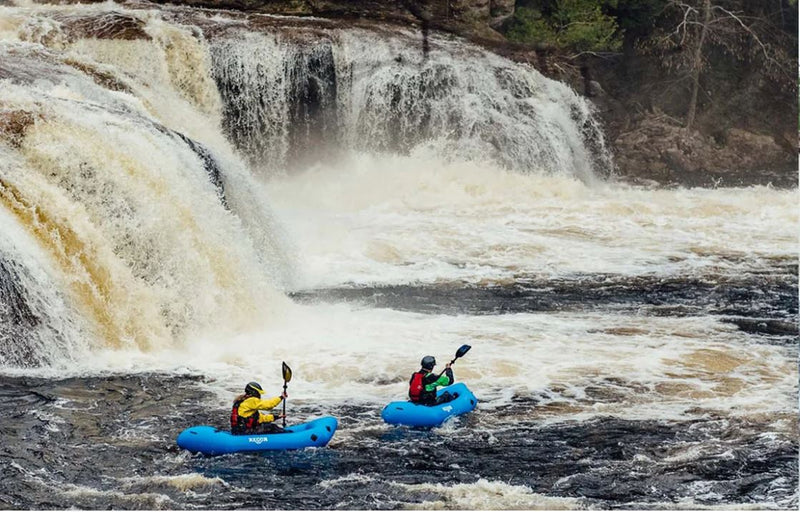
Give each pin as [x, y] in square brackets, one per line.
[284, 395]
[280, 416]
[447, 366]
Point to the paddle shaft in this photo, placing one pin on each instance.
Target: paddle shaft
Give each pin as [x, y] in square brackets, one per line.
[287, 376]
[284, 405]
[460, 352]
[451, 363]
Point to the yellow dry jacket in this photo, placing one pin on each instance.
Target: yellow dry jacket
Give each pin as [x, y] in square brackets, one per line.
[254, 405]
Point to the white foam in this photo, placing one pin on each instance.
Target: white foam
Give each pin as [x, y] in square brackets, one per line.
[145, 500]
[392, 220]
[489, 495]
[185, 482]
[572, 366]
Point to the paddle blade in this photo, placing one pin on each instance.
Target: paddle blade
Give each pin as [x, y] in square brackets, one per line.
[287, 372]
[463, 349]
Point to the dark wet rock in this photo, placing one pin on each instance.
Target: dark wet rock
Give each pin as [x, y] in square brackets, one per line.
[773, 297]
[469, 17]
[101, 78]
[105, 25]
[210, 163]
[13, 124]
[478, 11]
[765, 326]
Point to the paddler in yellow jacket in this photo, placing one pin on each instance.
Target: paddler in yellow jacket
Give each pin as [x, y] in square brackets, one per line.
[246, 415]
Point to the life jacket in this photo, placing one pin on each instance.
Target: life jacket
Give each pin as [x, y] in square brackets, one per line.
[416, 388]
[240, 424]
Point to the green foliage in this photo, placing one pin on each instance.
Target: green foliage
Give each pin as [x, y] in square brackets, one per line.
[529, 26]
[576, 24]
[582, 25]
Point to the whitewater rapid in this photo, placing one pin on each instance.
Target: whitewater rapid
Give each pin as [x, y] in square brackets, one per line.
[487, 228]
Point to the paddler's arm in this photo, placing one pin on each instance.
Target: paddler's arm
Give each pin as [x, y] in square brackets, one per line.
[264, 417]
[257, 404]
[444, 379]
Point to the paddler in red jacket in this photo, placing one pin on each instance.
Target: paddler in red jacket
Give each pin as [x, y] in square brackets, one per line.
[423, 383]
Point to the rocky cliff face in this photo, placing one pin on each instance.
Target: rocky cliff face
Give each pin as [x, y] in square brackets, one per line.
[657, 149]
[471, 18]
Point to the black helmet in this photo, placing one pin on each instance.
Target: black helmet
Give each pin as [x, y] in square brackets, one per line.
[253, 389]
[428, 362]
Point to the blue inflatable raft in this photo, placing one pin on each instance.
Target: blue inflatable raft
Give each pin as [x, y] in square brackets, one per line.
[212, 441]
[415, 415]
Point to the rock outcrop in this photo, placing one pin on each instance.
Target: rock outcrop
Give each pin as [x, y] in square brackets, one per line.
[659, 150]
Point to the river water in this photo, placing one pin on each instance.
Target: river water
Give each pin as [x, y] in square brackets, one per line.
[189, 197]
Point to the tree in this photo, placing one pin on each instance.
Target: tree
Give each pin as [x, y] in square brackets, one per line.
[529, 26]
[699, 25]
[697, 62]
[581, 25]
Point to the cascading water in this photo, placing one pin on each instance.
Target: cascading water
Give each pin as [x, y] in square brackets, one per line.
[37, 323]
[134, 212]
[292, 98]
[169, 175]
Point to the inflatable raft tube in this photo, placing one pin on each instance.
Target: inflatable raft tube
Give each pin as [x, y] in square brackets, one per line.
[415, 415]
[212, 441]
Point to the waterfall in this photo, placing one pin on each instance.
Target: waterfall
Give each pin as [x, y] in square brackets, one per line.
[132, 141]
[156, 237]
[292, 97]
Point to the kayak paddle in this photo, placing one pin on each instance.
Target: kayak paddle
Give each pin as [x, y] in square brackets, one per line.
[463, 349]
[287, 376]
